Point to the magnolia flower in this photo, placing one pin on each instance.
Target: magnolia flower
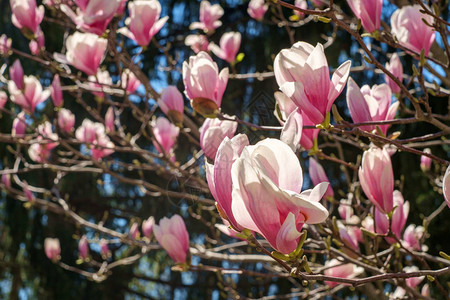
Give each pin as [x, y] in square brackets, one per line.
[38, 43]
[425, 161]
[446, 186]
[19, 126]
[197, 42]
[56, 91]
[267, 197]
[83, 247]
[303, 75]
[414, 35]
[337, 269]
[396, 68]
[291, 133]
[5, 45]
[398, 217]
[85, 51]
[104, 249]
[31, 95]
[16, 74]
[412, 282]
[94, 134]
[102, 147]
[318, 175]
[173, 237]
[203, 83]
[172, 103]
[257, 9]
[26, 15]
[129, 81]
[209, 17]
[348, 235]
[165, 135]
[369, 11]
[66, 120]
[52, 249]
[46, 141]
[99, 82]
[371, 105]
[412, 237]
[92, 15]
[229, 46]
[212, 133]
[144, 21]
[147, 227]
[134, 231]
[377, 178]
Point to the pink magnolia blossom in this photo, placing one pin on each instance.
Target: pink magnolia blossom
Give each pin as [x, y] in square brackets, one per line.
[267, 198]
[5, 45]
[203, 83]
[121, 8]
[345, 209]
[104, 249]
[425, 161]
[66, 120]
[94, 134]
[3, 99]
[371, 105]
[144, 21]
[410, 33]
[319, 3]
[134, 230]
[212, 133]
[446, 186]
[102, 147]
[413, 282]
[6, 180]
[83, 247]
[26, 15]
[31, 95]
[147, 227]
[129, 81]
[172, 104]
[52, 249]
[318, 175]
[412, 237]
[398, 218]
[85, 51]
[348, 235]
[92, 15]
[209, 17]
[37, 44]
[308, 135]
[165, 134]
[100, 81]
[19, 126]
[219, 175]
[369, 11]
[109, 119]
[377, 178]
[173, 237]
[300, 4]
[56, 92]
[396, 68]
[303, 75]
[197, 42]
[257, 9]
[16, 74]
[291, 133]
[338, 269]
[230, 43]
[46, 141]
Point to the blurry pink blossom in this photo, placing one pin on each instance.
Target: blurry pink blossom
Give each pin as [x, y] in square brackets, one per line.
[230, 43]
[197, 42]
[212, 133]
[172, 235]
[52, 249]
[369, 11]
[396, 68]
[209, 17]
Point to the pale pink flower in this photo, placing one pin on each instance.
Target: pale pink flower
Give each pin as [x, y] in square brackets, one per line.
[203, 83]
[197, 42]
[412, 237]
[308, 135]
[56, 91]
[425, 290]
[369, 11]
[209, 17]
[16, 74]
[212, 133]
[446, 186]
[398, 218]
[19, 126]
[165, 134]
[411, 33]
[66, 120]
[26, 15]
[30, 96]
[377, 178]
[425, 161]
[134, 231]
[345, 209]
[5, 45]
[396, 68]
[300, 4]
[85, 51]
[318, 175]
[129, 81]
[100, 81]
[413, 282]
[172, 103]
[83, 247]
[102, 147]
[40, 151]
[144, 21]
[89, 131]
[173, 237]
[38, 43]
[348, 235]
[230, 43]
[257, 9]
[267, 198]
[147, 227]
[303, 75]
[291, 133]
[338, 269]
[52, 249]
[3, 99]
[371, 105]
[109, 119]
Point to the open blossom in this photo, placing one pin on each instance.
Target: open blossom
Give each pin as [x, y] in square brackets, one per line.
[46, 141]
[173, 237]
[267, 198]
[147, 227]
[369, 11]
[26, 15]
[318, 175]
[377, 178]
[66, 120]
[31, 95]
[172, 103]
[219, 175]
[144, 21]
[16, 74]
[5, 45]
[165, 134]
[83, 247]
[52, 249]
[94, 135]
[129, 81]
[85, 51]
[203, 83]
[425, 161]
[396, 68]
[209, 17]
[371, 104]
[212, 133]
[302, 74]
[92, 15]
[412, 237]
[446, 186]
[19, 126]
[56, 91]
[229, 46]
[257, 9]
[338, 269]
[410, 33]
[99, 82]
[197, 42]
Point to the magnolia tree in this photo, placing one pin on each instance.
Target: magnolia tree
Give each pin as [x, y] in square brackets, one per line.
[175, 173]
